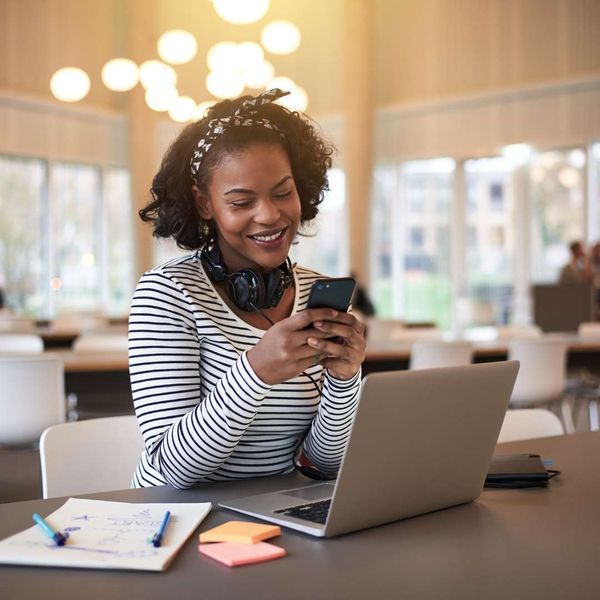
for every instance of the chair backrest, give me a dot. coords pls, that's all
(563, 307)
(96, 455)
(105, 342)
(31, 397)
(542, 372)
(430, 354)
(589, 330)
(529, 423)
(17, 343)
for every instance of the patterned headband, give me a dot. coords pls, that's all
(242, 117)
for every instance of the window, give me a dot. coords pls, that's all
(489, 245)
(557, 184)
(62, 248)
(323, 245)
(118, 241)
(417, 205)
(75, 279)
(23, 185)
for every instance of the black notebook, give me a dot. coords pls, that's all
(517, 471)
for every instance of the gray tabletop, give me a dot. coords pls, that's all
(538, 543)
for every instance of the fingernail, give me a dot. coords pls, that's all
(311, 341)
(318, 323)
(334, 313)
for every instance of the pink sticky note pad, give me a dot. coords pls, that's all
(235, 555)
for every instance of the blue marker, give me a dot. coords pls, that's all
(59, 538)
(157, 539)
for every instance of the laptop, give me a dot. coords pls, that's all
(421, 441)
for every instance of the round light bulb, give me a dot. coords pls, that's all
(223, 84)
(223, 56)
(120, 74)
(296, 100)
(257, 76)
(177, 46)
(282, 83)
(160, 98)
(154, 73)
(280, 37)
(241, 12)
(182, 109)
(70, 84)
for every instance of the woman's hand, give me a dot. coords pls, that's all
(284, 351)
(343, 356)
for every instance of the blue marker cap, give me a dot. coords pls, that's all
(59, 538)
(158, 536)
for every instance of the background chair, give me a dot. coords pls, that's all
(17, 343)
(429, 354)
(31, 397)
(563, 307)
(97, 455)
(542, 376)
(529, 423)
(101, 342)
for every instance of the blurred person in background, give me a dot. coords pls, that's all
(578, 269)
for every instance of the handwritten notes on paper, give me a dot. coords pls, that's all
(106, 535)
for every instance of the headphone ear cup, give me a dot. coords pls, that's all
(274, 288)
(211, 258)
(247, 290)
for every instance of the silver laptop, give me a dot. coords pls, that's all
(421, 441)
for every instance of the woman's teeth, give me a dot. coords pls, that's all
(268, 238)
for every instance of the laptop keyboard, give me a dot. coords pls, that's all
(316, 512)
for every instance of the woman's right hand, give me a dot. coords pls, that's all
(283, 351)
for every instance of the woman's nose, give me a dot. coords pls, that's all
(267, 211)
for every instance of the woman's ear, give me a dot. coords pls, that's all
(202, 204)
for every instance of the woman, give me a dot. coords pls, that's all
(230, 376)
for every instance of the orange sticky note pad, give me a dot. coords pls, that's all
(235, 555)
(240, 532)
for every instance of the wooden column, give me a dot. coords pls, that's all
(359, 95)
(142, 129)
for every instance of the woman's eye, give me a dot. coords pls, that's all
(241, 203)
(284, 194)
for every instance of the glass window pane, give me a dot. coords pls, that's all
(75, 198)
(557, 184)
(118, 241)
(489, 241)
(385, 183)
(324, 245)
(22, 192)
(422, 281)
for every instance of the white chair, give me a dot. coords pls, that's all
(529, 423)
(105, 342)
(21, 343)
(542, 376)
(429, 354)
(31, 397)
(589, 330)
(97, 455)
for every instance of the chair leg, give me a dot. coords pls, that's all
(593, 410)
(567, 415)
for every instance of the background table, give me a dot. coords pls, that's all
(537, 543)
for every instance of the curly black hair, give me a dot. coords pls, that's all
(173, 212)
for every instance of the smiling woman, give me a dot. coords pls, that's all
(231, 377)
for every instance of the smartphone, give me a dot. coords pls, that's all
(331, 293)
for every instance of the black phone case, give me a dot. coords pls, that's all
(331, 293)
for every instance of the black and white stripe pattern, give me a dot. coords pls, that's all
(203, 412)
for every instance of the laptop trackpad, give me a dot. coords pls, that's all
(313, 492)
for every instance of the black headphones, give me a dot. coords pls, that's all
(248, 290)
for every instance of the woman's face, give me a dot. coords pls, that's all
(255, 206)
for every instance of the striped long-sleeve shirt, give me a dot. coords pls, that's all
(204, 413)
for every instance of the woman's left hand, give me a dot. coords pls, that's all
(342, 358)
